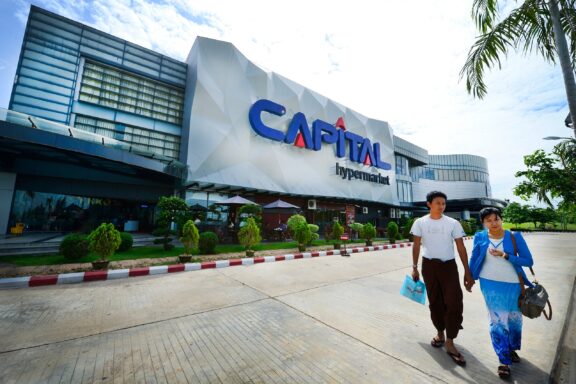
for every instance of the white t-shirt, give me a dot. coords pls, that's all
(438, 236)
(497, 268)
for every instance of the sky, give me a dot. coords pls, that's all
(397, 61)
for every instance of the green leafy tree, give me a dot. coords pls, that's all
(515, 213)
(254, 211)
(171, 209)
(392, 231)
(190, 237)
(535, 25)
(541, 215)
(207, 243)
(104, 240)
(249, 235)
(550, 176)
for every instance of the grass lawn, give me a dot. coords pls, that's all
(530, 226)
(150, 252)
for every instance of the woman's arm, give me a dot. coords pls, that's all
(524, 258)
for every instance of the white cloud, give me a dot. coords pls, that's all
(389, 60)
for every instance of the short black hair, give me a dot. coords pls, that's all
(490, 211)
(434, 194)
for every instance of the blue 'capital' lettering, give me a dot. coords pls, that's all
(255, 118)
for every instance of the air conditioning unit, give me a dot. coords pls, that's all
(365, 210)
(312, 204)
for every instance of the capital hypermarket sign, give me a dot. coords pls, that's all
(359, 149)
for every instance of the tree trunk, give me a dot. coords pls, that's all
(564, 56)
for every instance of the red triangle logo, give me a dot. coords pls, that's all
(340, 123)
(299, 141)
(367, 160)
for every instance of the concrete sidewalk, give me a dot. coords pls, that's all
(331, 319)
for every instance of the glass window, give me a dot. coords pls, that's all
(116, 89)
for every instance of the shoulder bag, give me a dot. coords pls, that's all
(532, 301)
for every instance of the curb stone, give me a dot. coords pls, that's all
(113, 274)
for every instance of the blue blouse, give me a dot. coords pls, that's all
(523, 259)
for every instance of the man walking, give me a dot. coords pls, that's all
(436, 233)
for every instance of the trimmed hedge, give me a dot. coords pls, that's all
(126, 242)
(75, 246)
(207, 243)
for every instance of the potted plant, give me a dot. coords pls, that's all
(300, 231)
(249, 236)
(357, 228)
(189, 239)
(392, 231)
(369, 232)
(302, 235)
(104, 241)
(337, 231)
(171, 210)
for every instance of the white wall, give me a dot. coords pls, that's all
(453, 189)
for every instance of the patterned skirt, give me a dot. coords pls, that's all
(505, 317)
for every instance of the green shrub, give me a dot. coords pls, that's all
(126, 242)
(337, 231)
(369, 231)
(358, 228)
(104, 240)
(302, 234)
(74, 246)
(294, 221)
(406, 230)
(392, 231)
(313, 233)
(207, 243)
(466, 227)
(249, 235)
(190, 237)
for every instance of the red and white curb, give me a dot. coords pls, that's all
(111, 274)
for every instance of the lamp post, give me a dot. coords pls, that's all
(556, 138)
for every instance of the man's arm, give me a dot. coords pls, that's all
(468, 280)
(415, 256)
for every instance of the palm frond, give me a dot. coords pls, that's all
(568, 20)
(486, 51)
(538, 30)
(484, 13)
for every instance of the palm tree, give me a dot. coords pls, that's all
(535, 25)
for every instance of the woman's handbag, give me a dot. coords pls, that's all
(532, 301)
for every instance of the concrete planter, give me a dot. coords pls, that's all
(184, 258)
(250, 253)
(100, 264)
(368, 243)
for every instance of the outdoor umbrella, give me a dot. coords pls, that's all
(280, 204)
(236, 200)
(198, 207)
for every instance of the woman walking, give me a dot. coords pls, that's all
(497, 260)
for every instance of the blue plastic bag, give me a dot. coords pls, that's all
(414, 290)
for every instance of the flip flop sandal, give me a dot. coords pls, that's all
(514, 357)
(504, 371)
(457, 357)
(437, 343)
